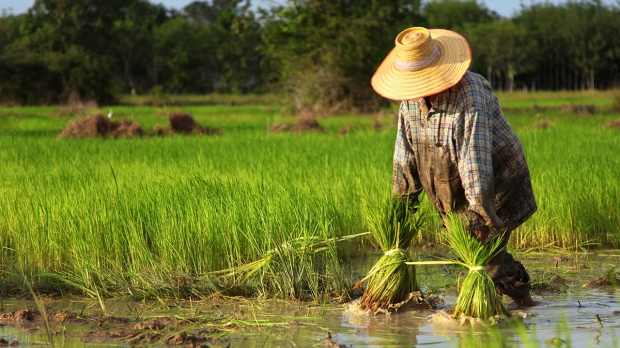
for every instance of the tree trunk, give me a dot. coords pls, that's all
(489, 75)
(557, 71)
(509, 81)
(563, 74)
(575, 81)
(133, 85)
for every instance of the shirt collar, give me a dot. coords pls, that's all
(441, 103)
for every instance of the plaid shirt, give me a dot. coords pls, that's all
(463, 153)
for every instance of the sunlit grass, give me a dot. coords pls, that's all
(528, 99)
(155, 216)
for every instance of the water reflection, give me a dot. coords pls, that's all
(570, 316)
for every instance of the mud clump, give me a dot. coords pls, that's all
(544, 124)
(559, 258)
(307, 125)
(557, 279)
(280, 127)
(11, 343)
(303, 125)
(27, 315)
(610, 278)
(414, 301)
(128, 129)
(578, 267)
(579, 109)
(156, 324)
(181, 122)
(104, 328)
(553, 284)
(377, 125)
(345, 130)
(98, 125)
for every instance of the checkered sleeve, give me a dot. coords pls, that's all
(476, 167)
(405, 179)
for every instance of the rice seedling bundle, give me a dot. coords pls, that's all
(477, 297)
(390, 281)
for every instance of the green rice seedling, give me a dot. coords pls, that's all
(478, 297)
(154, 216)
(313, 244)
(393, 224)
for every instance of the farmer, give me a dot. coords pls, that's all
(454, 143)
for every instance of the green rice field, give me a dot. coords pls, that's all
(186, 216)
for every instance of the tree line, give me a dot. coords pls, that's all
(321, 53)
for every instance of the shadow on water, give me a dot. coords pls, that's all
(572, 315)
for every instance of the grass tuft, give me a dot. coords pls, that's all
(478, 297)
(394, 225)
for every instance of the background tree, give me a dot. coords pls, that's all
(327, 50)
(320, 52)
(457, 15)
(134, 44)
(585, 38)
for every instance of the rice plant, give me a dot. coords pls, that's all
(156, 216)
(477, 297)
(393, 224)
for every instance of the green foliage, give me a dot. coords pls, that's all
(322, 53)
(161, 213)
(327, 50)
(477, 295)
(457, 15)
(393, 224)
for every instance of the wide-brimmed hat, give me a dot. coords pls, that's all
(424, 62)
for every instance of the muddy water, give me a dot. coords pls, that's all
(568, 291)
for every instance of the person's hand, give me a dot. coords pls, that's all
(482, 235)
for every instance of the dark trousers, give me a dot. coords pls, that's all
(508, 274)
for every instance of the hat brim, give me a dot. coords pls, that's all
(445, 72)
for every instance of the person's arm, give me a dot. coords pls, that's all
(405, 178)
(476, 171)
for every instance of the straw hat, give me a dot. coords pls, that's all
(424, 62)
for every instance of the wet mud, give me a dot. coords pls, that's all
(100, 328)
(580, 304)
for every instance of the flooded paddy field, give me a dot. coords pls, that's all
(158, 216)
(578, 305)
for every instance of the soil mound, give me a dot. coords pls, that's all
(345, 130)
(610, 278)
(614, 124)
(106, 329)
(182, 122)
(579, 109)
(128, 129)
(307, 125)
(544, 124)
(377, 125)
(280, 127)
(98, 125)
(303, 125)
